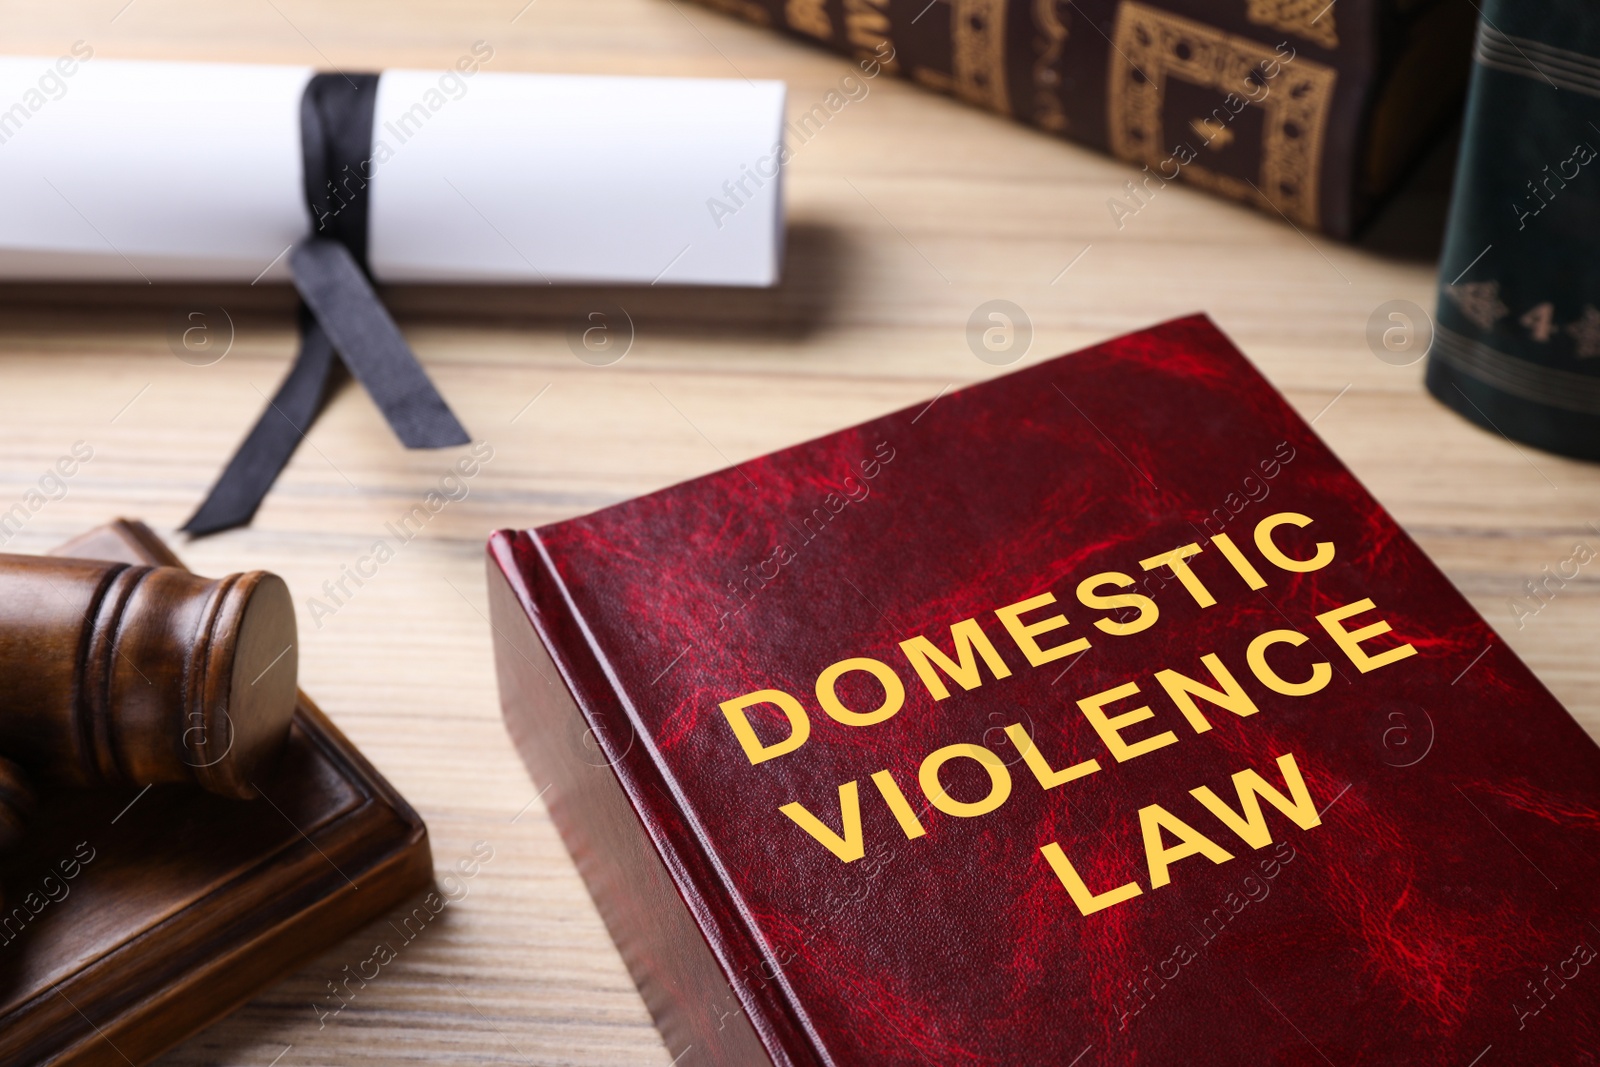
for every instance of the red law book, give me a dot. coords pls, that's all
(1091, 715)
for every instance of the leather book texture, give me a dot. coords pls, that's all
(1306, 110)
(1517, 343)
(1092, 714)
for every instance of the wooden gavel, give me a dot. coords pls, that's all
(119, 675)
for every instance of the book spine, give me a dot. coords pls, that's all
(1427, 62)
(1268, 105)
(706, 983)
(1516, 344)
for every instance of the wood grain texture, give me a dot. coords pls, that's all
(906, 211)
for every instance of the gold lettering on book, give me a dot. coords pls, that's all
(1216, 136)
(1201, 691)
(866, 27)
(1311, 19)
(978, 45)
(1294, 95)
(1051, 22)
(1585, 333)
(1130, 720)
(1479, 301)
(809, 16)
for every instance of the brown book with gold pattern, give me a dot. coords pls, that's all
(1308, 109)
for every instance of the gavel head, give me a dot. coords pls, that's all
(113, 674)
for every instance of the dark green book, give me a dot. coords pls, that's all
(1517, 344)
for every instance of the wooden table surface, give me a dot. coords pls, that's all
(906, 212)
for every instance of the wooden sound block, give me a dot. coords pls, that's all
(134, 919)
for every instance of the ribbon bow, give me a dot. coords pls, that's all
(341, 317)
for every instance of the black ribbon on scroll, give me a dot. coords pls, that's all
(341, 317)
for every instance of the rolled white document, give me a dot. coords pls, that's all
(118, 170)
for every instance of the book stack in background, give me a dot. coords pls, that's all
(1306, 108)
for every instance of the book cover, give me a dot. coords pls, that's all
(1093, 714)
(1304, 109)
(1516, 348)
